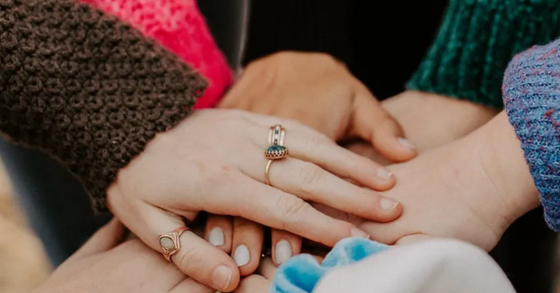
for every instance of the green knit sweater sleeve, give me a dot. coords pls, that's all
(475, 43)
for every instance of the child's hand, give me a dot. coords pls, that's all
(317, 90)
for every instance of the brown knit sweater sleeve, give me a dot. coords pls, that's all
(86, 88)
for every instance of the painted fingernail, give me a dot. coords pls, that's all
(406, 143)
(388, 204)
(384, 173)
(283, 251)
(216, 237)
(221, 277)
(241, 255)
(359, 233)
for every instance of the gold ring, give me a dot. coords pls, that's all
(276, 150)
(170, 242)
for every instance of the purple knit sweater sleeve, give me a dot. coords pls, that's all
(531, 92)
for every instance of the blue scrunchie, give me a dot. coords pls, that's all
(301, 273)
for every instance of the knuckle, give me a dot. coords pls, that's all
(310, 176)
(310, 141)
(189, 257)
(292, 208)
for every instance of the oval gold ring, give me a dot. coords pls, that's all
(170, 242)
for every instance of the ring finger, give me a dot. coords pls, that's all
(308, 145)
(247, 245)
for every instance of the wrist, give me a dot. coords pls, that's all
(431, 120)
(502, 160)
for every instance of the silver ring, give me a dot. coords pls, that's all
(276, 135)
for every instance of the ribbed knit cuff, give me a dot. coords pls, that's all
(86, 88)
(476, 41)
(532, 103)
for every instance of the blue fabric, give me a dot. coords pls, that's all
(531, 94)
(302, 273)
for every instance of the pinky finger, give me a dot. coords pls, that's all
(284, 246)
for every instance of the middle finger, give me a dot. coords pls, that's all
(312, 183)
(308, 145)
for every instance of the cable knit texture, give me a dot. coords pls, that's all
(532, 102)
(86, 88)
(476, 41)
(179, 26)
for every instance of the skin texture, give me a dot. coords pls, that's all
(167, 184)
(428, 120)
(318, 91)
(479, 184)
(481, 180)
(106, 264)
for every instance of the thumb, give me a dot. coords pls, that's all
(372, 123)
(104, 239)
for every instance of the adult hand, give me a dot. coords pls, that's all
(428, 120)
(316, 90)
(319, 91)
(104, 264)
(471, 189)
(214, 161)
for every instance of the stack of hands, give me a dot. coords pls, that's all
(416, 165)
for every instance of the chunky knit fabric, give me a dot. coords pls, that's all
(476, 41)
(179, 26)
(531, 91)
(86, 88)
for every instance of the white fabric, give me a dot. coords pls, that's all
(433, 266)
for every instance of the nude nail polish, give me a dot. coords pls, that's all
(221, 277)
(283, 251)
(359, 233)
(384, 173)
(216, 237)
(388, 204)
(241, 255)
(406, 143)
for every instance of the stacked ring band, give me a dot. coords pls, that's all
(276, 150)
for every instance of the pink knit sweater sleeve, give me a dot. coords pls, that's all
(179, 26)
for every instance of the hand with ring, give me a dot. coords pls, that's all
(215, 161)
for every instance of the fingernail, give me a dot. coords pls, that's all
(241, 255)
(384, 173)
(221, 277)
(216, 237)
(406, 143)
(283, 251)
(388, 204)
(359, 233)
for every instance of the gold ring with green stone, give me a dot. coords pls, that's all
(277, 150)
